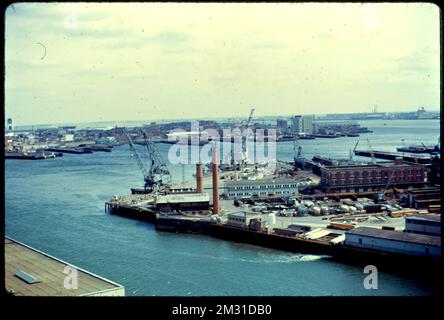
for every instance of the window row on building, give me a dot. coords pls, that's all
(259, 187)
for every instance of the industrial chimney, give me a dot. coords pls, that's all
(215, 180)
(199, 177)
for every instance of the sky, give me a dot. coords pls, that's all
(88, 62)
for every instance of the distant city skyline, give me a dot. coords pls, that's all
(107, 62)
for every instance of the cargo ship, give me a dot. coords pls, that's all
(24, 156)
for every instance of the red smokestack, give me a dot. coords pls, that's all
(215, 181)
(199, 177)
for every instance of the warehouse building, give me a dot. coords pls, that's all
(424, 224)
(372, 177)
(186, 202)
(243, 189)
(396, 242)
(422, 198)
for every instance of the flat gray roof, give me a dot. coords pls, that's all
(427, 217)
(183, 197)
(396, 235)
(244, 214)
(49, 275)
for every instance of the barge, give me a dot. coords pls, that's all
(392, 156)
(24, 156)
(69, 150)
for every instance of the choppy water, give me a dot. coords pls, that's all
(57, 206)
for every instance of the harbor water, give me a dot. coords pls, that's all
(57, 206)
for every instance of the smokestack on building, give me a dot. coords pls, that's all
(199, 177)
(215, 180)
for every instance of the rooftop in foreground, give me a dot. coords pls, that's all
(30, 272)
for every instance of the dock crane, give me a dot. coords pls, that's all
(388, 183)
(371, 151)
(380, 196)
(245, 126)
(157, 175)
(353, 152)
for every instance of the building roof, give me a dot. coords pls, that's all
(48, 272)
(427, 217)
(243, 214)
(233, 183)
(184, 197)
(378, 165)
(396, 236)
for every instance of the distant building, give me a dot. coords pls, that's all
(69, 137)
(9, 125)
(355, 116)
(307, 124)
(296, 124)
(282, 126)
(153, 129)
(371, 177)
(396, 242)
(302, 124)
(423, 224)
(260, 188)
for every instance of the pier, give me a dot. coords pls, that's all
(393, 155)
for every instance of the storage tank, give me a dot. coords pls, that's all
(315, 210)
(325, 210)
(302, 211)
(308, 203)
(271, 219)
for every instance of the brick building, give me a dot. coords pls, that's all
(372, 177)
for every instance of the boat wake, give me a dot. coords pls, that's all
(264, 258)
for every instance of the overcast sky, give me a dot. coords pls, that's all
(113, 62)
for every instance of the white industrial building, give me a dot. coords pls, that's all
(302, 124)
(424, 224)
(296, 124)
(262, 188)
(307, 124)
(241, 219)
(393, 242)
